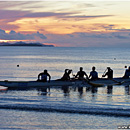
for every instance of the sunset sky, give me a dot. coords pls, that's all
(67, 23)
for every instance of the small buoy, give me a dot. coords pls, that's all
(17, 65)
(114, 58)
(125, 66)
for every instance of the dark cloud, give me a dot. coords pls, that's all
(82, 39)
(7, 16)
(122, 30)
(18, 36)
(113, 35)
(121, 37)
(45, 14)
(112, 27)
(14, 14)
(84, 16)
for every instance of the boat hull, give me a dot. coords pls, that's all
(114, 81)
(34, 84)
(77, 83)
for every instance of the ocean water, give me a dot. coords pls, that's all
(63, 107)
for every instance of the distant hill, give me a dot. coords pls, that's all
(24, 44)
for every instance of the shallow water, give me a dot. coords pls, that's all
(54, 120)
(63, 107)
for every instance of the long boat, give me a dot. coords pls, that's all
(77, 83)
(34, 84)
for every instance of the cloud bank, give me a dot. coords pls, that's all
(80, 39)
(113, 39)
(12, 35)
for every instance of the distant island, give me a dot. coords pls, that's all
(24, 44)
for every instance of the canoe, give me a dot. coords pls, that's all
(53, 83)
(114, 81)
(34, 84)
(77, 83)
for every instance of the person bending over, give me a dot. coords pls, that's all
(109, 73)
(66, 75)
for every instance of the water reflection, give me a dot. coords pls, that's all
(109, 89)
(83, 92)
(80, 90)
(65, 90)
(109, 93)
(43, 91)
(94, 90)
(127, 90)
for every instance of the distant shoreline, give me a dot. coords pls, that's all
(25, 44)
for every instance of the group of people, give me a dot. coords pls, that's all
(81, 75)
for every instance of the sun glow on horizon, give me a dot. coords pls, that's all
(51, 44)
(11, 41)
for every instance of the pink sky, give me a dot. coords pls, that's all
(67, 23)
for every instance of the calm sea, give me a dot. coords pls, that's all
(63, 108)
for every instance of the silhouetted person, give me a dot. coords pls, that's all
(127, 73)
(66, 75)
(43, 76)
(93, 74)
(109, 73)
(80, 74)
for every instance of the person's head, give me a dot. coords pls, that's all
(109, 69)
(45, 71)
(81, 68)
(66, 70)
(129, 68)
(69, 72)
(93, 68)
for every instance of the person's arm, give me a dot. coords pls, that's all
(49, 77)
(105, 74)
(39, 76)
(86, 75)
(90, 75)
(97, 75)
(76, 75)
